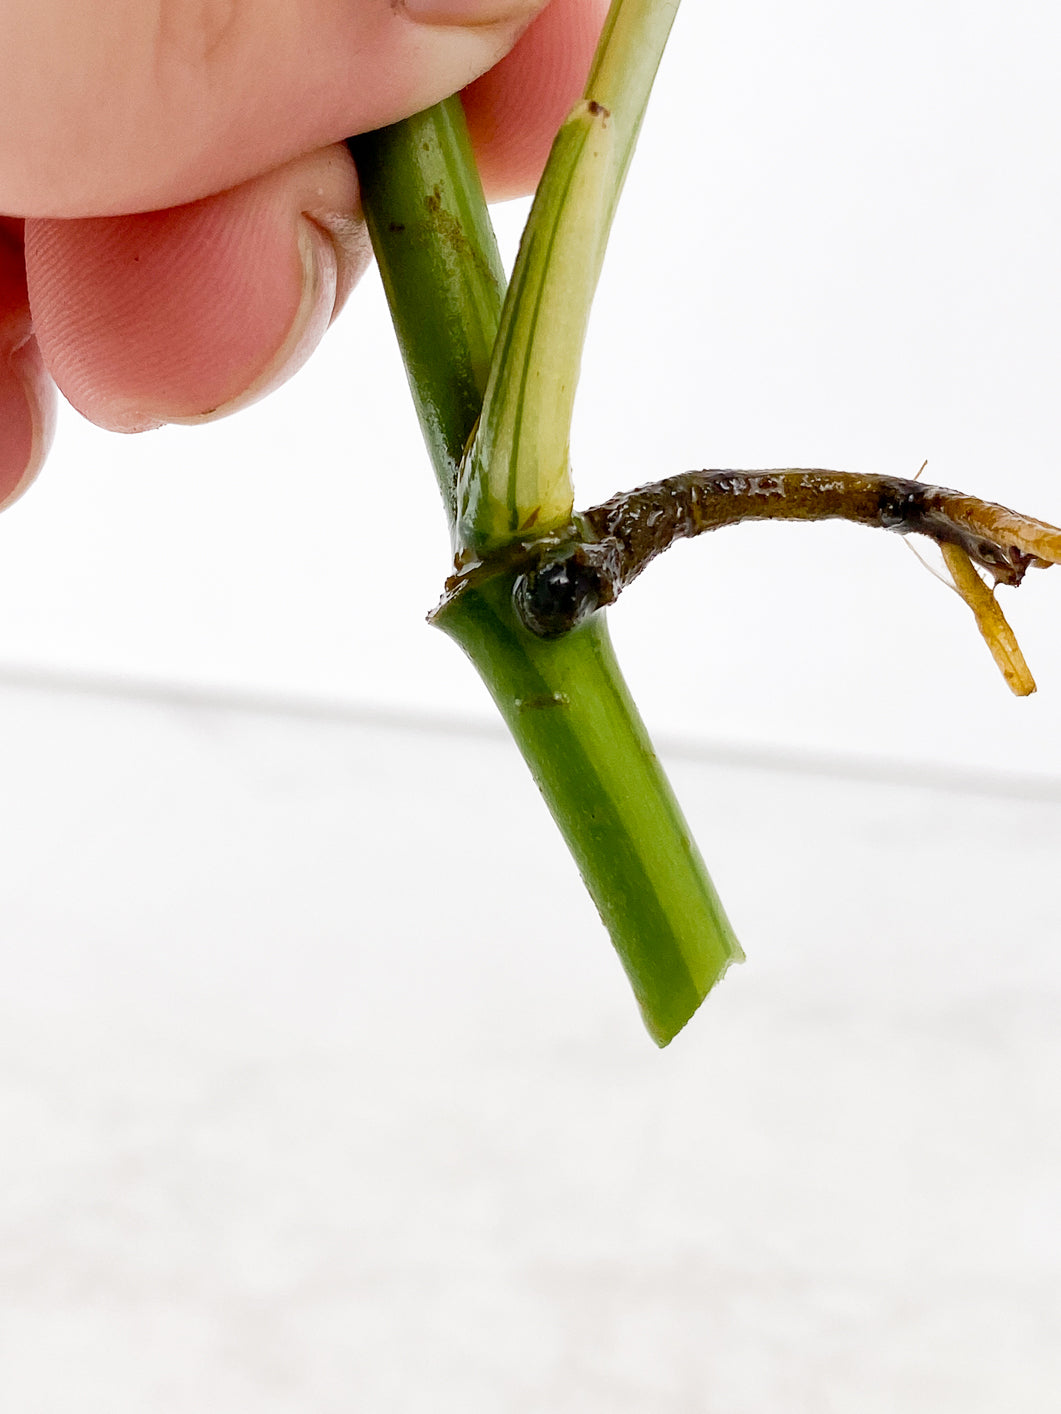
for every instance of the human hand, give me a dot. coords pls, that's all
(181, 220)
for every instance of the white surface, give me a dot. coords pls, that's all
(838, 247)
(298, 1117)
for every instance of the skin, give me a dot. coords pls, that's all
(180, 221)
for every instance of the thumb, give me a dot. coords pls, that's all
(164, 103)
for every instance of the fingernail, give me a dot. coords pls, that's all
(27, 420)
(469, 12)
(351, 245)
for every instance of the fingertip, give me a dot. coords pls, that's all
(27, 394)
(186, 314)
(326, 280)
(27, 420)
(515, 109)
(163, 104)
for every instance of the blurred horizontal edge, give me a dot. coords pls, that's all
(789, 760)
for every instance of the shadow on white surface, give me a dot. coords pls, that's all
(301, 1111)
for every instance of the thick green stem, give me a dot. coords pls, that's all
(572, 717)
(436, 251)
(565, 701)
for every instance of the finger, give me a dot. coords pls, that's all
(164, 103)
(515, 109)
(191, 312)
(27, 394)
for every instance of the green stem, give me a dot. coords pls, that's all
(437, 255)
(564, 700)
(573, 719)
(624, 70)
(516, 478)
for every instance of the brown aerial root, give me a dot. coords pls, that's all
(564, 580)
(644, 522)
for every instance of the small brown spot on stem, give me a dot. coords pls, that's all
(543, 700)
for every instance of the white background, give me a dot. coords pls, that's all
(300, 1111)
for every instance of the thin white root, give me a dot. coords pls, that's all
(935, 573)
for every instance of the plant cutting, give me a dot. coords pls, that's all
(493, 372)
